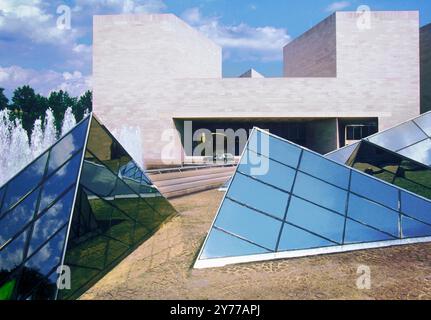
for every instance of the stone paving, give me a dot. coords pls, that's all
(161, 268)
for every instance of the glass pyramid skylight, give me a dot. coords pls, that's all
(85, 204)
(286, 201)
(411, 139)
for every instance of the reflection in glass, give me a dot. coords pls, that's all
(374, 190)
(274, 148)
(420, 152)
(221, 244)
(248, 224)
(324, 169)
(413, 228)
(40, 265)
(52, 220)
(258, 195)
(416, 207)
(316, 219)
(11, 256)
(294, 238)
(60, 181)
(15, 220)
(424, 121)
(356, 233)
(343, 154)
(372, 214)
(277, 174)
(25, 181)
(67, 146)
(320, 192)
(398, 137)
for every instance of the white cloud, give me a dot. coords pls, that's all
(119, 6)
(335, 6)
(241, 41)
(44, 81)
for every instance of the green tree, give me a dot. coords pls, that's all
(4, 102)
(25, 106)
(59, 101)
(85, 103)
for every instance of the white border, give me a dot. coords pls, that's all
(221, 262)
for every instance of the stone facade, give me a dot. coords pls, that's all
(152, 69)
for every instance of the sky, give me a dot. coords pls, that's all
(42, 47)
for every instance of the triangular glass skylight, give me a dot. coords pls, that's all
(84, 204)
(287, 201)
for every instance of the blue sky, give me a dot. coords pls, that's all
(33, 50)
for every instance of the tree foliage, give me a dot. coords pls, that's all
(28, 106)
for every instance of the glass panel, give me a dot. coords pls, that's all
(373, 215)
(416, 207)
(121, 227)
(424, 121)
(258, 195)
(220, 244)
(413, 187)
(372, 160)
(18, 218)
(320, 192)
(293, 238)
(67, 146)
(343, 154)
(358, 233)
(45, 290)
(6, 290)
(60, 181)
(25, 181)
(412, 228)
(12, 256)
(275, 148)
(315, 219)
(98, 178)
(421, 152)
(248, 224)
(52, 220)
(374, 190)
(277, 174)
(116, 249)
(415, 172)
(324, 169)
(147, 216)
(40, 265)
(399, 137)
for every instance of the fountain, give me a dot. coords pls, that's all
(20, 150)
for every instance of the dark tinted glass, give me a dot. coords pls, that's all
(416, 207)
(358, 233)
(320, 192)
(294, 238)
(315, 219)
(67, 146)
(16, 219)
(25, 181)
(220, 244)
(374, 215)
(399, 137)
(374, 190)
(258, 195)
(324, 169)
(248, 224)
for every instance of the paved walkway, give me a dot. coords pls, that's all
(160, 268)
